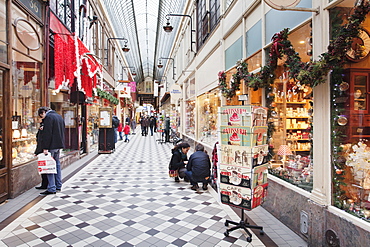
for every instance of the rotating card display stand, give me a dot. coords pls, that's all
(243, 166)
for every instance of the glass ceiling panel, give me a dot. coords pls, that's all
(141, 22)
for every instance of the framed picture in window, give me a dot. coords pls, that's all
(105, 117)
(16, 122)
(69, 115)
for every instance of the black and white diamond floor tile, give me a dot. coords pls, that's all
(126, 199)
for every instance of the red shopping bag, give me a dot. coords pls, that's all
(46, 164)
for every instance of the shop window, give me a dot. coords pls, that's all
(292, 120)
(2, 74)
(26, 100)
(254, 62)
(3, 33)
(208, 104)
(351, 141)
(190, 118)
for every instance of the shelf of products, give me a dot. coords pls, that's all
(208, 104)
(190, 118)
(292, 116)
(23, 149)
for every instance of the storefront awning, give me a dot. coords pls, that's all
(165, 97)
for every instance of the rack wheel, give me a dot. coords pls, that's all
(249, 239)
(262, 232)
(226, 234)
(226, 223)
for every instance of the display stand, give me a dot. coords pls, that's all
(244, 161)
(243, 224)
(161, 140)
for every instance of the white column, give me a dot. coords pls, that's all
(321, 192)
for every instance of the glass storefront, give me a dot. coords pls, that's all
(190, 118)
(292, 120)
(26, 85)
(26, 101)
(3, 33)
(1, 117)
(208, 104)
(351, 129)
(92, 126)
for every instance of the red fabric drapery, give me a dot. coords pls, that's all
(73, 60)
(64, 61)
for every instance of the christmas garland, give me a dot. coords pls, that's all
(312, 74)
(108, 96)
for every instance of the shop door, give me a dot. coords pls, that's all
(4, 184)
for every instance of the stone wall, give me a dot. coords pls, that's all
(24, 177)
(286, 205)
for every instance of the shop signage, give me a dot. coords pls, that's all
(175, 93)
(34, 6)
(124, 92)
(132, 85)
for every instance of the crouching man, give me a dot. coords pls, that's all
(198, 168)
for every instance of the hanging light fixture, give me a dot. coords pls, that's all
(160, 65)
(168, 28)
(125, 48)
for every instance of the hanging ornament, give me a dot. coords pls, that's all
(342, 120)
(338, 171)
(273, 113)
(343, 86)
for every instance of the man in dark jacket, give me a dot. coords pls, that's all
(198, 168)
(152, 124)
(52, 140)
(167, 126)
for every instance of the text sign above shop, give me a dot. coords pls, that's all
(34, 6)
(175, 92)
(125, 92)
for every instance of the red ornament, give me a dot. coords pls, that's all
(339, 171)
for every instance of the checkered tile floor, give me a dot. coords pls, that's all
(127, 199)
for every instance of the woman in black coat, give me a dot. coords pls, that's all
(179, 157)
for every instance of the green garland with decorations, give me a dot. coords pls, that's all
(107, 96)
(312, 74)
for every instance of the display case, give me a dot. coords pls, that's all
(23, 148)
